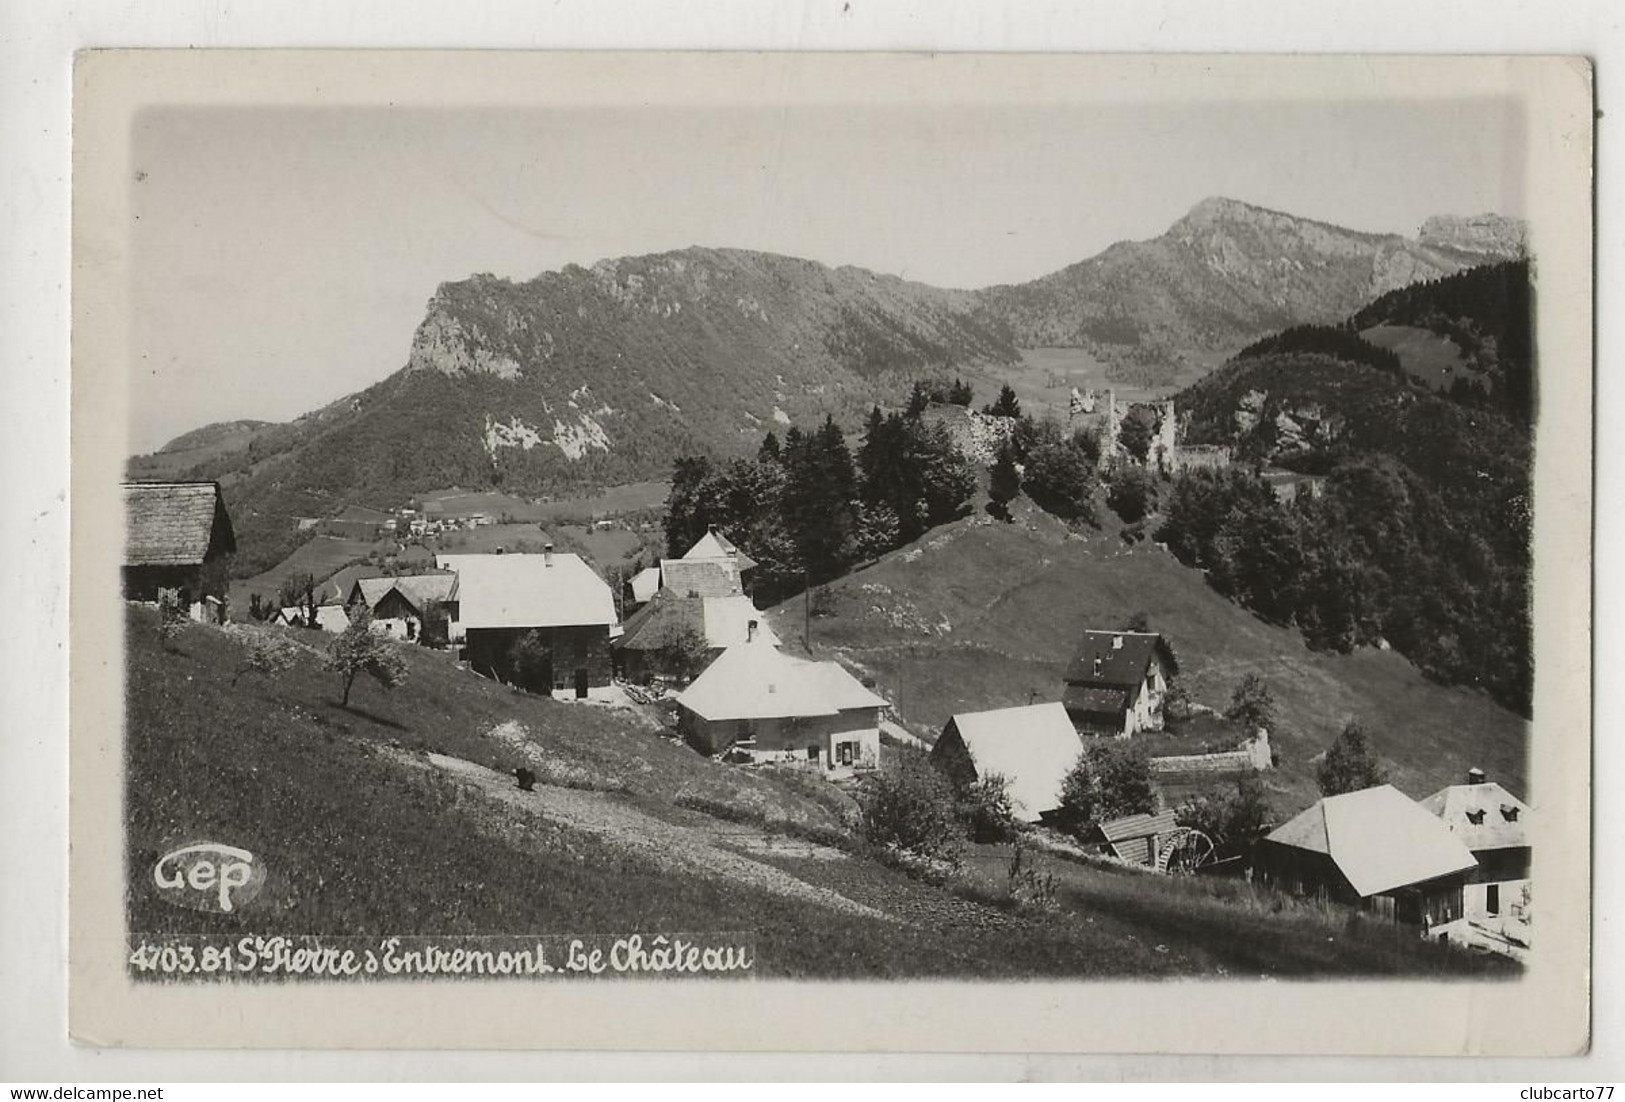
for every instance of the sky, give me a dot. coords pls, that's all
(283, 257)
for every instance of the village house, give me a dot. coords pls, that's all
(1494, 825)
(1135, 839)
(1032, 747)
(1375, 849)
(329, 618)
(704, 593)
(1117, 682)
(770, 706)
(503, 598)
(414, 607)
(716, 623)
(643, 585)
(177, 537)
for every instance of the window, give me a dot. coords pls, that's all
(1476, 817)
(1509, 813)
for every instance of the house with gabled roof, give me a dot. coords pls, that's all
(409, 606)
(701, 577)
(702, 593)
(716, 623)
(554, 599)
(1494, 826)
(715, 545)
(1116, 682)
(768, 705)
(178, 536)
(643, 585)
(1376, 849)
(1032, 747)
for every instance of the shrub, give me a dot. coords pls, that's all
(1132, 493)
(266, 653)
(985, 810)
(1232, 817)
(532, 662)
(1252, 704)
(910, 807)
(1061, 480)
(1110, 780)
(1350, 763)
(358, 650)
(172, 617)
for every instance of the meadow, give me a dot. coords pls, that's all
(364, 830)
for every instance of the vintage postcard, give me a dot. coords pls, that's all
(831, 552)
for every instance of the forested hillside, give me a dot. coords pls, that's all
(1488, 314)
(1420, 538)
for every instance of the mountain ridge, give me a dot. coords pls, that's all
(592, 376)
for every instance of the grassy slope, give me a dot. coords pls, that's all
(1014, 599)
(1428, 357)
(320, 557)
(356, 843)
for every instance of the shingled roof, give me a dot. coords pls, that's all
(1123, 658)
(715, 545)
(721, 621)
(717, 577)
(175, 523)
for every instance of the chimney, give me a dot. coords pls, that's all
(1117, 642)
(547, 554)
(1475, 775)
(750, 631)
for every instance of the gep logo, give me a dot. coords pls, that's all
(208, 877)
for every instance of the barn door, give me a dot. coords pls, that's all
(581, 683)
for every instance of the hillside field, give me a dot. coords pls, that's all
(399, 815)
(979, 615)
(321, 557)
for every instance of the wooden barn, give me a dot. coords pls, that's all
(177, 536)
(1033, 748)
(1116, 683)
(1136, 839)
(1376, 849)
(503, 598)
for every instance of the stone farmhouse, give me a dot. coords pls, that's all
(503, 598)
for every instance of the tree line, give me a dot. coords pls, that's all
(807, 509)
(1379, 556)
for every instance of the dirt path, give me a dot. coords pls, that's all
(709, 852)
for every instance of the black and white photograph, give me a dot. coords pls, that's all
(768, 532)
